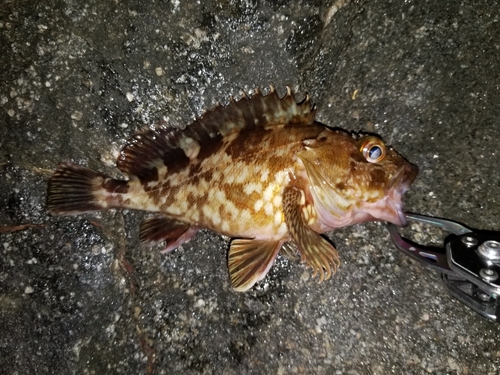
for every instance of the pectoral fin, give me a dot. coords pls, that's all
(250, 260)
(161, 228)
(315, 251)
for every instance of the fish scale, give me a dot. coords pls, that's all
(259, 170)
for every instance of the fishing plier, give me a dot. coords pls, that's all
(469, 262)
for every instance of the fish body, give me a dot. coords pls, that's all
(260, 170)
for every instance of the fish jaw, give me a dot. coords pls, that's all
(388, 206)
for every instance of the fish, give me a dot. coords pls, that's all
(260, 170)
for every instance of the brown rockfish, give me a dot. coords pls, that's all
(260, 170)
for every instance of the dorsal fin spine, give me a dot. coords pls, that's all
(150, 148)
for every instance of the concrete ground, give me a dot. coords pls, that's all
(79, 295)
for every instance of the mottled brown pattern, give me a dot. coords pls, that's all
(155, 196)
(206, 150)
(193, 200)
(165, 186)
(167, 192)
(378, 178)
(115, 186)
(151, 177)
(194, 179)
(247, 143)
(176, 161)
(222, 213)
(207, 175)
(114, 201)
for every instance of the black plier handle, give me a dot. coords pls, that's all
(469, 262)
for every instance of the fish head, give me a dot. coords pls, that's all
(355, 178)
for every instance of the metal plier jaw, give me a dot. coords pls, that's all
(469, 263)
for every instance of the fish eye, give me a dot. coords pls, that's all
(373, 150)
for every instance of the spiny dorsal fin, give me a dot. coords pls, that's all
(152, 149)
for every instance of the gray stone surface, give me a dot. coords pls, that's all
(80, 295)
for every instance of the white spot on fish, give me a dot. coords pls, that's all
(245, 216)
(220, 196)
(231, 209)
(216, 219)
(190, 147)
(151, 184)
(282, 229)
(258, 205)
(278, 218)
(302, 198)
(264, 175)
(228, 128)
(243, 176)
(174, 210)
(216, 176)
(371, 195)
(162, 173)
(268, 208)
(211, 214)
(251, 187)
(195, 216)
(268, 193)
(277, 200)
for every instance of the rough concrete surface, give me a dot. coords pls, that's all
(79, 295)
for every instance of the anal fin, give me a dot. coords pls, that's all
(250, 260)
(315, 251)
(161, 228)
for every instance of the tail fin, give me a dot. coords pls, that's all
(74, 189)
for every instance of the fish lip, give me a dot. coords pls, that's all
(399, 217)
(399, 185)
(402, 181)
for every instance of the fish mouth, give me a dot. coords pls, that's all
(399, 185)
(336, 210)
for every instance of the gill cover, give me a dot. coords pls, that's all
(326, 161)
